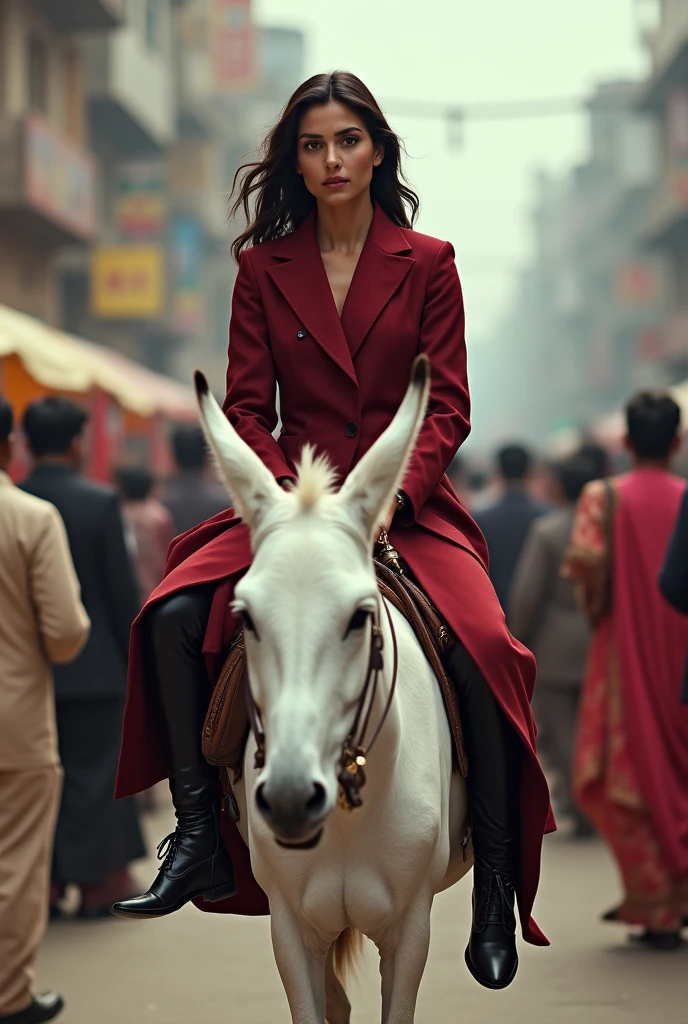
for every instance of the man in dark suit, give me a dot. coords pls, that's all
(505, 524)
(545, 616)
(190, 496)
(96, 838)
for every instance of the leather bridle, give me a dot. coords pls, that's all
(350, 766)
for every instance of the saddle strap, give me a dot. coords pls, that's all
(435, 638)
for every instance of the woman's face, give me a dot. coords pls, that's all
(335, 154)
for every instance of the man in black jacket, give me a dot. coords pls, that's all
(190, 496)
(96, 838)
(505, 524)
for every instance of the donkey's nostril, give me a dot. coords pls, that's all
(261, 802)
(316, 804)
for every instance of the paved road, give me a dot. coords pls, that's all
(197, 969)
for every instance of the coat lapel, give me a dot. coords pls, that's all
(299, 273)
(382, 269)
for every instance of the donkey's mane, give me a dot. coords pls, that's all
(315, 478)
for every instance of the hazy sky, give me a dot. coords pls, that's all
(456, 51)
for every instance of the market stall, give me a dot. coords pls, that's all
(130, 406)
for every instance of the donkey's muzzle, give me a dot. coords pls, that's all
(293, 809)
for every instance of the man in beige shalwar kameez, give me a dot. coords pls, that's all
(42, 621)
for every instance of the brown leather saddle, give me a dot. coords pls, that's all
(227, 722)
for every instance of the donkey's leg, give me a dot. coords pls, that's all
(402, 964)
(337, 1005)
(301, 968)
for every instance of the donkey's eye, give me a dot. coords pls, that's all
(248, 623)
(358, 621)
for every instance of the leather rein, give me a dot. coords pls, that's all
(350, 766)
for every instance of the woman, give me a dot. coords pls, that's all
(631, 754)
(333, 301)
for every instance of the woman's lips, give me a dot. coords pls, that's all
(335, 183)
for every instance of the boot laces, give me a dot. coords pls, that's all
(499, 897)
(167, 848)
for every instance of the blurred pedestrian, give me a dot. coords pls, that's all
(96, 838)
(458, 478)
(598, 455)
(631, 757)
(673, 579)
(545, 615)
(505, 524)
(150, 526)
(191, 496)
(42, 621)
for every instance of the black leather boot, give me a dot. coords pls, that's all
(494, 764)
(196, 862)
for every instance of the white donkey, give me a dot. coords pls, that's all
(311, 611)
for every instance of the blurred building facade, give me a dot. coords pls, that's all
(122, 123)
(587, 322)
(48, 174)
(665, 98)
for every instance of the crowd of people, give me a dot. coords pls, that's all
(77, 562)
(591, 569)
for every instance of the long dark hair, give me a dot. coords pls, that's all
(282, 201)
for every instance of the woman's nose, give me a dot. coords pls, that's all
(332, 158)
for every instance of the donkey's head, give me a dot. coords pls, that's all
(309, 601)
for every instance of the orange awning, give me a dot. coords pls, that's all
(64, 363)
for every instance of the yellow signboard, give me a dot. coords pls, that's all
(128, 282)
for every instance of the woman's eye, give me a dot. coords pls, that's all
(311, 146)
(350, 140)
(357, 622)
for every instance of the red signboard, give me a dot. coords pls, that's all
(234, 45)
(59, 179)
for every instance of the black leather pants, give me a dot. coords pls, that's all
(494, 763)
(494, 768)
(196, 863)
(173, 635)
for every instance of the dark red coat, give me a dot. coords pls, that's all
(340, 384)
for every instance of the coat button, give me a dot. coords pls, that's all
(351, 429)
(303, 333)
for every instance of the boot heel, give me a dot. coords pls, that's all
(221, 892)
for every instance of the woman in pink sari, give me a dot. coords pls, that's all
(631, 758)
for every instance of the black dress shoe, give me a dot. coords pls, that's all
(43, 1007)
(663, 942)
(196, 864)
(491, 955)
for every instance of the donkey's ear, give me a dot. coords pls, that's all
(370, 487)
(250, 483)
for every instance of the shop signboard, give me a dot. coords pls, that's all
(140, 200)
(187, 256)
(234, 49)
(59, 179)
(677, 140)
(637, 283)
(127, 282)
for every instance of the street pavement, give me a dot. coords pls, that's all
(195, 968)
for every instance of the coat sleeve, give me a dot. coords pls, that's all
(532, 578)
(447, 423)
(673, 579)
(250, 403)
(118, 579)
(63, 624)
